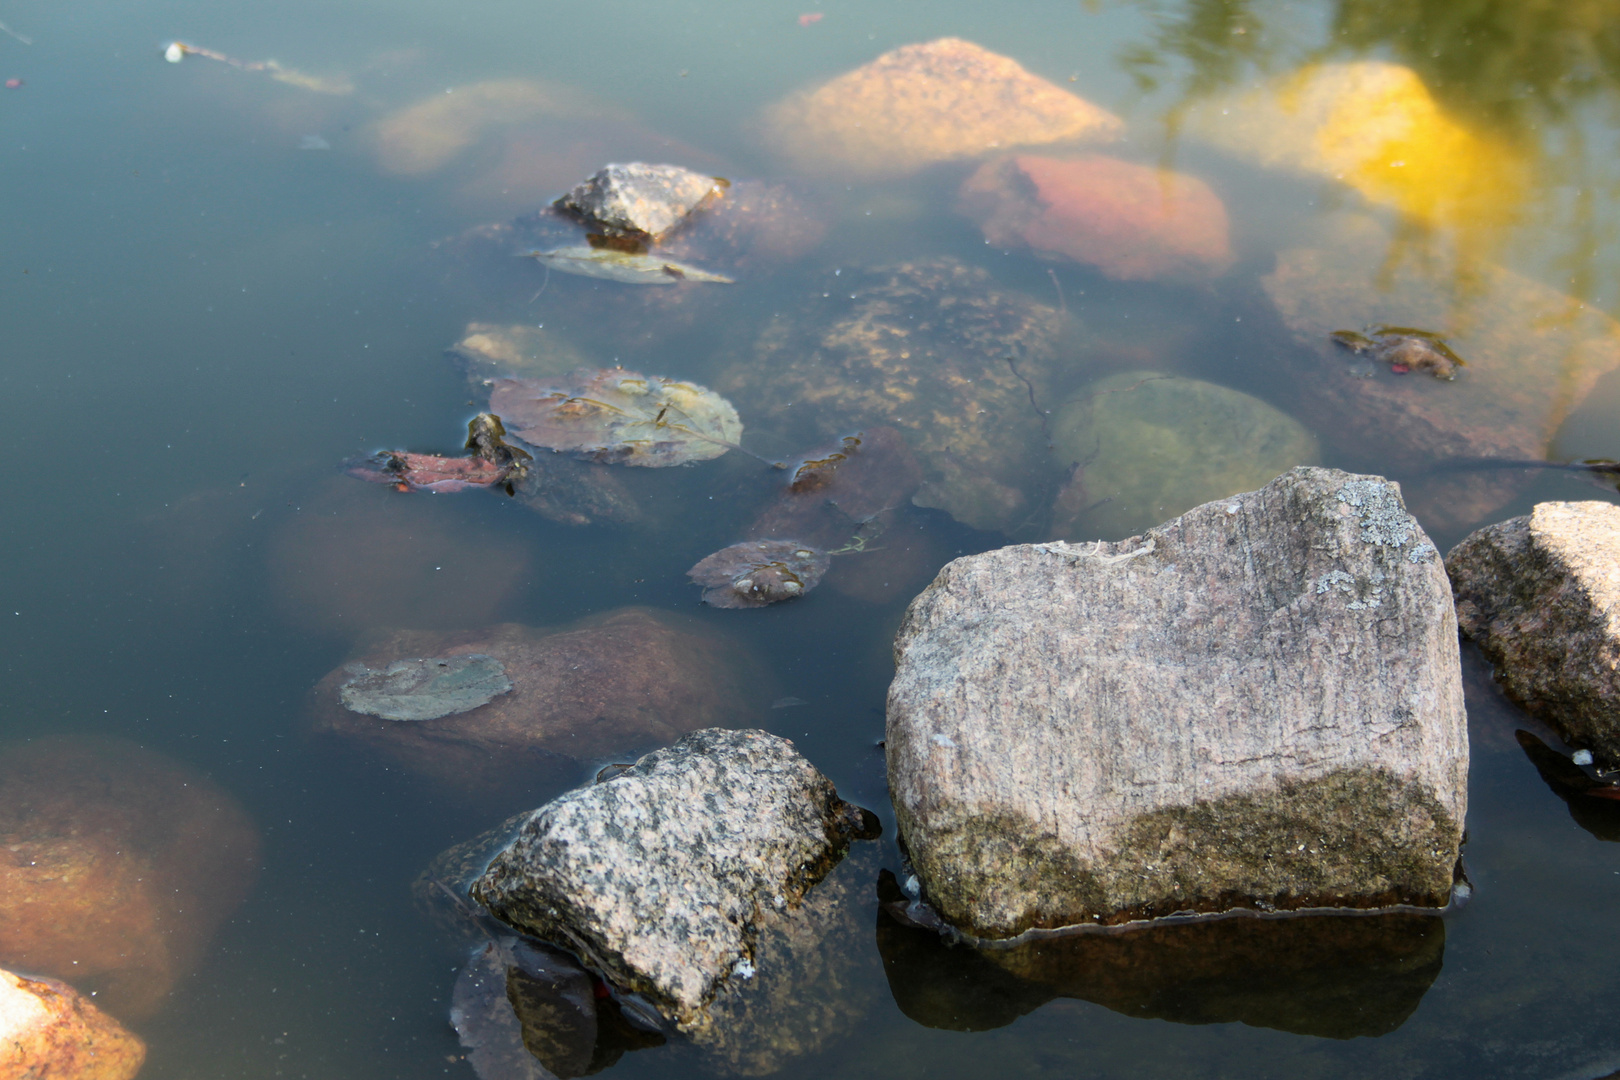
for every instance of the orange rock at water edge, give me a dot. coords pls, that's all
(922, 104)
(49, 1031)
(116, 867)
(352, 558)
(1130, 221)
(614, 683)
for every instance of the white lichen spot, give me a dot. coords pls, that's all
(1092, 552)
(743, 969)
(1422, 553)
(1383, 520)
(946, 741)
(1363, 594)
(1232, 508)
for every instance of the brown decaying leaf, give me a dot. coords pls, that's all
(836, 489)
(755, 573)
(619, 417)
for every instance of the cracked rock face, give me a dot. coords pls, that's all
(1257, 704)
(1541, 596)
(673, 878)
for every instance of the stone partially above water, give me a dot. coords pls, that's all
(49, 1031)
(1257, 704)
(922, 104)
(1541, 596)
(664, 877)
(640, 201)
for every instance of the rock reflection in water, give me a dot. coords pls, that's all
(1591, 802)
(1333, 976)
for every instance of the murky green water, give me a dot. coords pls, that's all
(200, 320)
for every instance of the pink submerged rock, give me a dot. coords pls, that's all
(1130, 221)
(49, 1031)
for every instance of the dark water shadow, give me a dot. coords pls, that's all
(1598, 814)
(1332, 976)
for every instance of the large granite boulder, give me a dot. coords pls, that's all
(1257, 704)
(1541, 596)
(695, 880)
(922, 104)
(610, 684)
(116, 867)
(49, 1031)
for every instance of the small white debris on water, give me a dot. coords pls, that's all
(743, 969)
(1461, 892)
(946, 741)
(912, 887)
(1582, 757)
(174, 53)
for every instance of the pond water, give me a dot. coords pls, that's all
(219, 284)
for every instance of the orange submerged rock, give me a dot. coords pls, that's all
(1130, 221)
(48, 1031)
(116, 867)
(921, 104)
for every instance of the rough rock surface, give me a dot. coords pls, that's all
(1257, 704)
(48, 1031)
(1532, 353)
(929, 347)
(1143, 446)
(610, 684)
(1132, 222)
(921, 104)
(116, 867)
(1541, 595)
(640, 201)
(667, 877)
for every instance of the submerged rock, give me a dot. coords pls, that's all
(921, 104)
(933, 349)
(640, 201)
(49, 1031)
(1132, 222)
(1257, 704)
(609, 684)
(689, 878)
(1375, 127)
(1144, 446)
(116, 867)
(1541, 596)
(1533, 354)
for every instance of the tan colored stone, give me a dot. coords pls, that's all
(921, 104)
(1541, 596)
(1532, 355)
(48, 1031)
(607, 685)
(116, 867)
(1132, 222)
(1257, 704)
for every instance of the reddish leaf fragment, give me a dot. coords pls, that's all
(755, 573)
(1611, 792)
(426, 472)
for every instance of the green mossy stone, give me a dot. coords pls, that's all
(1151, 446)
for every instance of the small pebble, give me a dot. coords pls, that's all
(1582, 757)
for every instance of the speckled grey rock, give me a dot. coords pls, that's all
(1541, 596)
(662, 877)
(638, 200)
(1257, 704)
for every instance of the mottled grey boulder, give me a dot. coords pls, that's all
(639, 201)
(667, 877)
(1257, 704)
(1541, 596)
